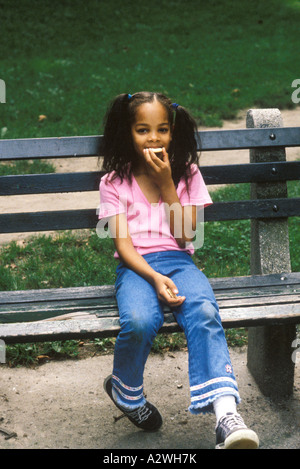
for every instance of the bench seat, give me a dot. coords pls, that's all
(87, 312)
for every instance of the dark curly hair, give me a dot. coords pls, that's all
(118, 150)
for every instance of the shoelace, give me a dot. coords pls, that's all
(140, 414)
(232, 421)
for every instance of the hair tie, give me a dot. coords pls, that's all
(175, 106)
(129, 96)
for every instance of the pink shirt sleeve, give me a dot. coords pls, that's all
(198, 193)
(111, 200)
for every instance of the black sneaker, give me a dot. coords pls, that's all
(145, 417)
(232, 433)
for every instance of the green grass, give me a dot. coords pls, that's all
(26, 167)
(68, 259)
(226, 248)
(66, 60)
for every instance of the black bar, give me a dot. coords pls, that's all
(208, 140)
(87, 218)
(89, 181)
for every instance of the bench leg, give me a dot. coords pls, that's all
(270, 359)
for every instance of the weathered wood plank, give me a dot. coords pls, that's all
(219, 285)
(249, 281)
(55, 294)
(105, 327)
(248, 295)
(39, 311)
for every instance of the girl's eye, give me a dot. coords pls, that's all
(164, 130)
(141, 131)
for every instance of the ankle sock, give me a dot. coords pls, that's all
(224, 404)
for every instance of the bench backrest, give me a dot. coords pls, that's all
(43, 148)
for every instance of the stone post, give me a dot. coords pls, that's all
(270, 347)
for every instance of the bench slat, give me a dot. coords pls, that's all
(252, 172)
(53, 183)
(106, 327)
(87, 218)
(258, 295)
(45, 311)
(54, 147)
(221, 285)
(58, 147)
(249, 138)
(261, 296)
(89, 181)
(252, 291)
(252, 209)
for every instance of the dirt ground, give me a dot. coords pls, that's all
(62, 405)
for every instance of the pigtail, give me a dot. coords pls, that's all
(117, 143)
(184, 145)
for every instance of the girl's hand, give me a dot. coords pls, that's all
(167, 291)
(158, 169)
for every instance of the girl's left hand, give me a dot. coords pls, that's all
(167, 291)
(158, 169)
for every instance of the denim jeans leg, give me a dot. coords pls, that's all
(141, 317)
(210, 369)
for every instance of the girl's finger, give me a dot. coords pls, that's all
(170, 285)
(149, 158)
(155, 159)
(173, 298)
(177, 301)
(165, 157)
(172, 293)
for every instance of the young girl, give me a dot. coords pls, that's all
(150, 201)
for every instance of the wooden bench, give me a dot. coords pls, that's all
(267, 301)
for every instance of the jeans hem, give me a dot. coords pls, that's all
(126, 406)
(207, 406)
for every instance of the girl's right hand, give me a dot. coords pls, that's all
(167, 291)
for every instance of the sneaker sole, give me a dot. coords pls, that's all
(241, 439)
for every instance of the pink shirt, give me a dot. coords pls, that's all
(148, 223)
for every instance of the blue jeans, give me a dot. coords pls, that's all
(141, 317)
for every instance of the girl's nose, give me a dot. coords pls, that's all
(153, 136)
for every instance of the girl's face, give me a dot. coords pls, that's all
(151, 128)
